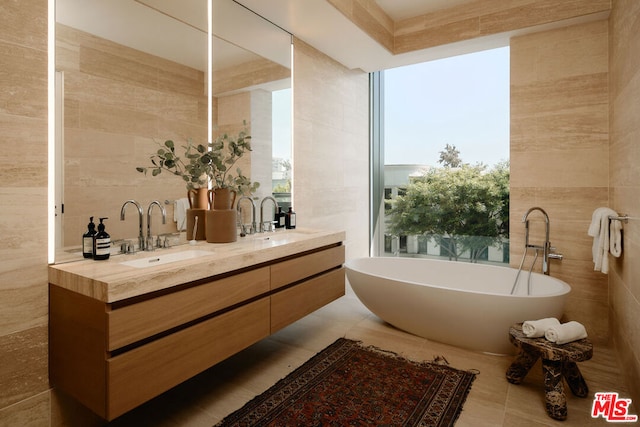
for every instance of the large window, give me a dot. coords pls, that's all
(440, 148)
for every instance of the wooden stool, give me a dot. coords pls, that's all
(558, 362)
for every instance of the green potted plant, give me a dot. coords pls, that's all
(193, 167)
(203, 163)
(224, 152)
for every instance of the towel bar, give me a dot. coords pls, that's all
(623, 218)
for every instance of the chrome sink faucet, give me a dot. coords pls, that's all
(254, 227)
(140, 213)
(267, 225)
(149, 245)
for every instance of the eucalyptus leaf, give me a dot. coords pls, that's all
(202, 163)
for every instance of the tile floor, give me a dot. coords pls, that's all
(207, 398)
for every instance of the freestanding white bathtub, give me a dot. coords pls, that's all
(458, 303)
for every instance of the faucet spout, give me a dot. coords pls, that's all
(149, 246)
(140, 214)
(275, 210)
(253, 213)
(546, 246)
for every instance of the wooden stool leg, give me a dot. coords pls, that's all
(521, 366)
(555, 400)
(574, 378)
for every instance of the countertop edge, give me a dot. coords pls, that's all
(110, 281)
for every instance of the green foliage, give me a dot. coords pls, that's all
(283, 188)
(450, 157)
(224, 153)
(463, 208)
(192, 168)
(201, 163)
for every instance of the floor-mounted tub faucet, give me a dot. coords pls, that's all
(149, 245)
(547, 250)
(267, 225)
(140, 213)
(254, 227)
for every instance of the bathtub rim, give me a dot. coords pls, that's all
(565, 288)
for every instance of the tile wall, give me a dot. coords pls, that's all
(331, 147)
(559, 155)
(624, 176)
(24, 382)
(119, 103)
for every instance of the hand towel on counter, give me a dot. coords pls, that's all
(537, 328)
(565, 333)
(180, 213)
(606, 235)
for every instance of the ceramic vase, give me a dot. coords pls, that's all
(199, 198)
(223, 198)
(221, 222)
(221, 226)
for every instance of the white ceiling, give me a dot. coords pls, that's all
(177, 30)
(322, 26)
(153, 24)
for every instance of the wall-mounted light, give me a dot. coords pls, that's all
(209, 70)
(51, 131)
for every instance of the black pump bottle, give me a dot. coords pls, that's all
(102, 243)
(87, 239)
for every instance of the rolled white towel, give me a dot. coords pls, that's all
(615, 238)
(537, 328)
(567, 332)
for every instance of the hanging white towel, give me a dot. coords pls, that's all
(615, 238)
(567, 332)
(602, 229)
(180, 213)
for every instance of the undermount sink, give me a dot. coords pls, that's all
(155, 260)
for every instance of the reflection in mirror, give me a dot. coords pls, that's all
(133, 73)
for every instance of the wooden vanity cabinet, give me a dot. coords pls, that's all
(112, 357)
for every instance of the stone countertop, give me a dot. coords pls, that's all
(111, 280)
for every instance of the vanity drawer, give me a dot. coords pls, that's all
(140, 374)
(132, 323)
(296, 269)
(295, 302)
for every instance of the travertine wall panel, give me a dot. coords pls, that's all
(559, 155)
(461, 22)
(24, 396)
(331, 145)
(118, 103)
(370, 17)
(624, 162)
(250, 74)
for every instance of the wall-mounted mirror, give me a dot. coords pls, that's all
(132, 74)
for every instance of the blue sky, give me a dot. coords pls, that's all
(462, 101)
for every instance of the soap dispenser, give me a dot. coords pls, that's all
(87, 239)
(290, 219)
(102, 243)
(279, 219)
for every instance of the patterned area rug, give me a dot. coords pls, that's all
(347, 384)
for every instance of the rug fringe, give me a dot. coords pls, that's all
(438, 359)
